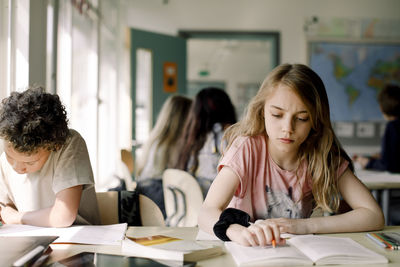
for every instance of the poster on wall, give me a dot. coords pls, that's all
(170, 77)
(353, 74)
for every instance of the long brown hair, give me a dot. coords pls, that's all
(321, 149)
(211, 105)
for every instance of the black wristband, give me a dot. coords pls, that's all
(228, 217)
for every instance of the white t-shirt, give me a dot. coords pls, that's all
(65, 168)
(153, 167)
(209, 155)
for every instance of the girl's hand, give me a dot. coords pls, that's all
(292, 226)
(261, 233)
(10, 215)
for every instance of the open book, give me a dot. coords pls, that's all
(306, 250)
(169, 248)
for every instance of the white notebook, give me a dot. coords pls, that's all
(81, 234)
(306, 250)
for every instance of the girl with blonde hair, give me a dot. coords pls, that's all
(161, 149)
(282, 161)
(162, 145)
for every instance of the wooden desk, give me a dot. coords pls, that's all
(380, 184)
(63, 251)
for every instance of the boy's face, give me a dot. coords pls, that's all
(25, 163)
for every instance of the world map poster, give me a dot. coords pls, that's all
(353, 74)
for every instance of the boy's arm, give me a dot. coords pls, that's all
(61, 214)
(388, 160)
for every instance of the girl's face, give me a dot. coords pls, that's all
(287, 121)
(24, 163)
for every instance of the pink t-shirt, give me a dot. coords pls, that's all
(265, 190)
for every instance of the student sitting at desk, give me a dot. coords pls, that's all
(45, 174)
(389, 160)
(210, 114)
(283, 158)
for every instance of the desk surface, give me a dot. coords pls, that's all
(61, 251)
(379, 180)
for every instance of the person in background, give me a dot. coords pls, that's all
(161, 148)
(211, 113)
(283, 159)
(45, 174)
(389, 159)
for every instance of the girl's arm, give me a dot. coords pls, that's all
(366, 215)
(61, 214)
(218, 198)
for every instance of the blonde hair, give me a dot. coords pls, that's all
(321, 149)
(166, 131)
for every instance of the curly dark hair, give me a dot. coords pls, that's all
(33, 119)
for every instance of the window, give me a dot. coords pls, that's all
(84, 65)
(14, 45)
(143, 98)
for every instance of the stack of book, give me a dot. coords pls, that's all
(388, 240)
(163, 247)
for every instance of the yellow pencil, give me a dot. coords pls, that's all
(273, 243)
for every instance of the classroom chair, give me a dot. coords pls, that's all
(182, 198)
(126, 168)
(130, 207)
(127, 158)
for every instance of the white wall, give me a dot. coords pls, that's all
(285, 16)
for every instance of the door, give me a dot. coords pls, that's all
(158, 70)
(235, 61)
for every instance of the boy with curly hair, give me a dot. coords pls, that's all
(45, 174)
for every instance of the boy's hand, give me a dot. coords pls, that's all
(1, 206)
(10, 215)
(363, 161)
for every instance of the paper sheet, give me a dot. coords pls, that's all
(83, 234)
(201, 235)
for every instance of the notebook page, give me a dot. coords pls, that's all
(335, 250)
(264, 256)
